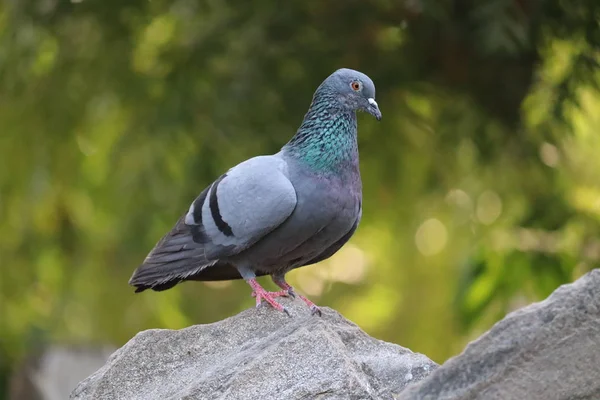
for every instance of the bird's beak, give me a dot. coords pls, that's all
(373, 109)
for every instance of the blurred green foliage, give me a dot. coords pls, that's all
(481, 184)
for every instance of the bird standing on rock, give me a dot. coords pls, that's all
(271, 214)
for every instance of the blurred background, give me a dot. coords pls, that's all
(481, 183)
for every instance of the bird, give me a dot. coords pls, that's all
(274, 213)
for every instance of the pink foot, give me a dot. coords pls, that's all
(261, 294)
(281, 293)
(314, 309)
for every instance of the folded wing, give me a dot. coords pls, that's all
(229, 216)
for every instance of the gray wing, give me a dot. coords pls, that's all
(229, 216)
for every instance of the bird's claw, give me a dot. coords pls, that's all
(314, 310)
(280, 308)
(269, 298)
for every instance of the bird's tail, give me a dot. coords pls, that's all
(165, 272)
(175, 257)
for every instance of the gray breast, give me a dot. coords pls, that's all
(326, 210)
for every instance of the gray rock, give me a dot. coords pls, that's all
(548, 351)
(258, 354)
(51, 373)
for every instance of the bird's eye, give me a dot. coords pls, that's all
(356, 86)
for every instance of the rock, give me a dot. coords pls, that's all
(52, 372)
(548, 350)
(258, 354)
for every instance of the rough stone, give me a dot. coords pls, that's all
(258, 354)
(547, 351)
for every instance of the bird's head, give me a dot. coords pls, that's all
(354, 90)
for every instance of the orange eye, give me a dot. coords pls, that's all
(355, 86)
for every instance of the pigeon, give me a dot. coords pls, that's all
(274, 213)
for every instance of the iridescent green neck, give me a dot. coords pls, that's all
(326, 140)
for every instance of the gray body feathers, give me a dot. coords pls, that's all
(271, 214)
(279, 217)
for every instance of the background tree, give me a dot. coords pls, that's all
(481, 190)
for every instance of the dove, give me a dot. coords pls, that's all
(274, 213)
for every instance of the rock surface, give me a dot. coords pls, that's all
(548, 351)
(258, 354)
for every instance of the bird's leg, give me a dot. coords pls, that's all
(281, 293)
(258, 291)
(262, 294)
(279, 280)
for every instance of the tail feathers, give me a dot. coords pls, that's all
(157, 288)
(165, 275)
(174, 258)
